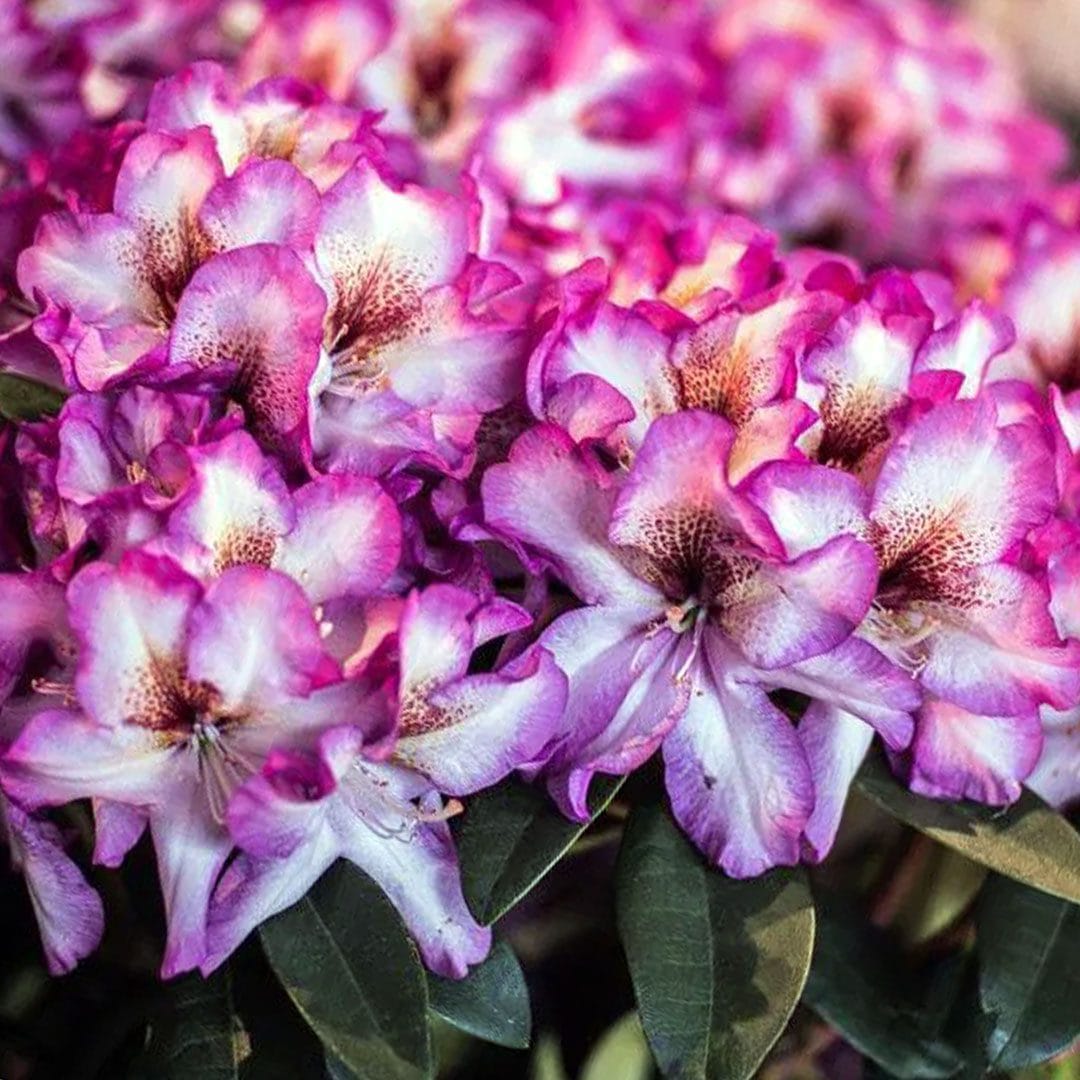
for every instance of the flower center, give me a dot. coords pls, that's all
(222, 767)
(387, 814)
(901, 634)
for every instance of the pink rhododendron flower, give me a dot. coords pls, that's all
(107, 466)
(336, 535)
(411, 357)
(434, 70)
(697, 607)
(181, 694)
(386, 814)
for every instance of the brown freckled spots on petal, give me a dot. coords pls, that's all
(245, 547)
(161, 697)
(418, 716)
(926, 554)
(855, 421)
(723, 377)
(687, 551)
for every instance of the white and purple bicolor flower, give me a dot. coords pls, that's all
(381, 804)
(698, 603)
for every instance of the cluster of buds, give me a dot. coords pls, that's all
(422, 425)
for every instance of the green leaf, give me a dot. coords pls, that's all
(547, 1060)
(510, 836)
(345, 959)
(1027, 841)
(198, 1036)
(492, 1003)
(718, 965)
(283, 1047)
(1029, 973)
(622, 1051)
(24, 399)
(858, 983)
(949, 884)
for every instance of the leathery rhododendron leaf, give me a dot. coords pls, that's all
(510, 839)
(1028, 841)
(858, 982)
(492, 1003)
(718, 965)
(24, 399)
(200, 1035)
(1027, 973)
(345, 959)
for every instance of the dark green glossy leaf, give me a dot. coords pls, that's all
(492, 1003)
(1027, 841)
(1029, 973)
(345, 959)
(510, 836)
(24, 399)
(197, 1036)
(718, 965)
(859, 984)
(283, 1047)
(335, 1070)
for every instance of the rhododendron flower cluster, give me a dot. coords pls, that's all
(428, 418)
